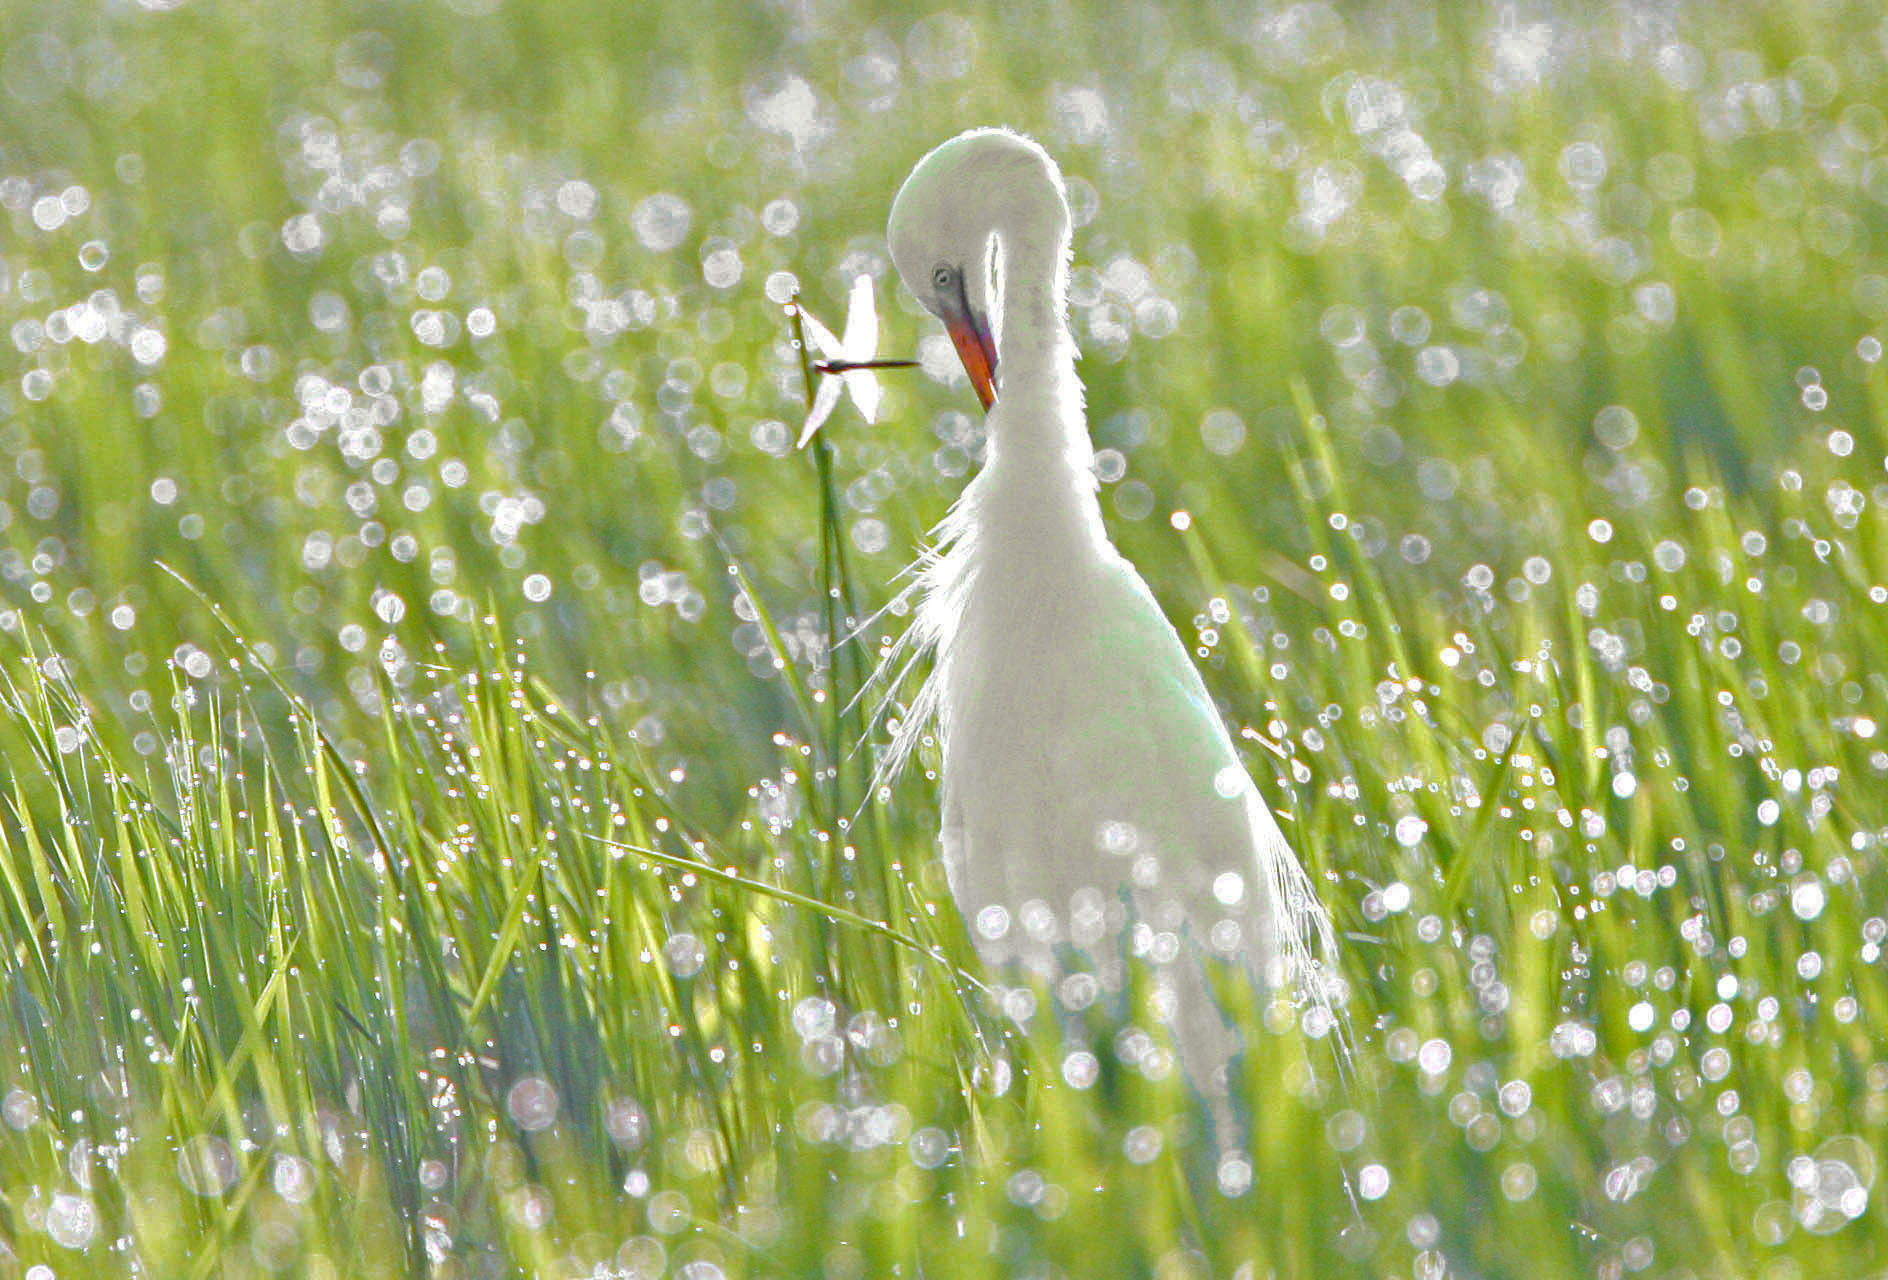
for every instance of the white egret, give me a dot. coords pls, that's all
(1093, 803)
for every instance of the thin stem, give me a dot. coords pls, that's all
(838, 914)
(847, 366)
(829, 818)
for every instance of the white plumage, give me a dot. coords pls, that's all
(1093, 803)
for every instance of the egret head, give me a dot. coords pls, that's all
(972, 202)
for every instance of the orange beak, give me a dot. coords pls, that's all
(970, 334)
(978, 352)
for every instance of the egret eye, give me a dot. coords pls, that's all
(941, 277)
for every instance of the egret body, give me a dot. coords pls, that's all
(1093, 803)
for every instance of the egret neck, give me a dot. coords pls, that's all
(1039, 469)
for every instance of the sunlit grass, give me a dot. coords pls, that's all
(424, 762)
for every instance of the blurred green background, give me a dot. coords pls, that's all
(1518, 366)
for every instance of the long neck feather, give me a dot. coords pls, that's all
(1038, 417)
(1036, 495)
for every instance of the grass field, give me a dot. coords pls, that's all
(423, 757)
